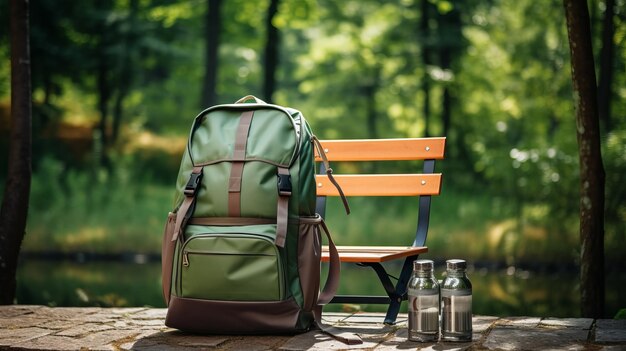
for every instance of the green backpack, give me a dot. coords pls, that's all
(242, 249)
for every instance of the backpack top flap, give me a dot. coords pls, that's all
(273, 136)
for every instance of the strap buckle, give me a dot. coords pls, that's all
(192, 184)
(284, 184)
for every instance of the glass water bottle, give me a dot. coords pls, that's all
(423, 296)
(456, 299)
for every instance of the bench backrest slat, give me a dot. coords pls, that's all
(380, 184)
(426, 183)
(384, 149)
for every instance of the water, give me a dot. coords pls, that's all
(495, 292)
(62, 283)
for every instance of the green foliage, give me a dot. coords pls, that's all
(355, 68)
(360, 50)
(517, 94)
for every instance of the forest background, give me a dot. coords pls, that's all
(116, 85)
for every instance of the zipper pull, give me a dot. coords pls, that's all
(185, 259)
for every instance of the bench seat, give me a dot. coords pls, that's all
(358, 254)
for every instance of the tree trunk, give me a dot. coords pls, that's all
(449, 41)
(125, 74)
(104, 95)
(103, 85)
(212, 28)
(446, 102)
(590, 158)
(14, 208)
(606, 65)
(271, 53)
(118, 112)
(426, 60)
(372, 115)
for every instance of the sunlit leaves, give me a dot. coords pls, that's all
(168, 15)
(296, 14)
(509, 76)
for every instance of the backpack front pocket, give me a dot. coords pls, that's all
(231, 267)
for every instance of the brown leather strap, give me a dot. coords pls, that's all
(234, 189)
(282, 207)
(239, 156)
(328, 292)
(182, 210)
(344, 336)
(167, 257)
(329, 172)
(334, 270)
(182, 214)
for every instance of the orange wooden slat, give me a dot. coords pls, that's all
(381, 249)
(383, 149)
(373, 253)
(380, 184)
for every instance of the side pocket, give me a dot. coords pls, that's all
(167, 256)
(309, 258)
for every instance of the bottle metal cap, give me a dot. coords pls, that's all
(423, 265)
(456, 264)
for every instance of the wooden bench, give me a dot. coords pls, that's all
(422, 186)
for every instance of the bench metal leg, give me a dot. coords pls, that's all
(400, 290)
(382, 276)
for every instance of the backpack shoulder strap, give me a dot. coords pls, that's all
(332, 281)
(328, 292)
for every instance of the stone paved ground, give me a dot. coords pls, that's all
(44, 328)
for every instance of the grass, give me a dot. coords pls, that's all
(95, 212)
(468, 225)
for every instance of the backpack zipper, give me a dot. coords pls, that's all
(203, 252)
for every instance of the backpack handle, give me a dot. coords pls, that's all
(250, 97)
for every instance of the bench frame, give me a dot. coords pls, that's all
(365, 150)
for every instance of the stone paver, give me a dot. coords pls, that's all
(45, 328)
(610, 331)
(581, 323)
(16, 336)
(507, 338)
(519, 322)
